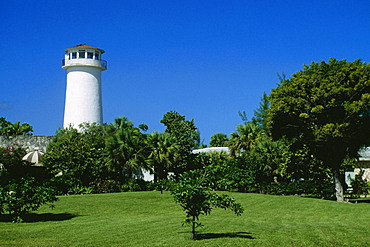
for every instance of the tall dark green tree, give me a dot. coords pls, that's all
(326, 106)
(260, 115)
(185, 134)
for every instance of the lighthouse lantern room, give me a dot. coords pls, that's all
(83, 103)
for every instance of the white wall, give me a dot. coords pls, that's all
(83, 96)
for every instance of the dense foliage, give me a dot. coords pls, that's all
(186, 137)
(11, 129)
(23, 187)
(76, 158)
(163, 154)
(326, 107)
(112, 157)
(126, 148)
(300, 141)
(218, 140)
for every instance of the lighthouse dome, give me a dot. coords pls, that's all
(84, 55)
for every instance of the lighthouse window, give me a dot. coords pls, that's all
(97, 56)
(74, 55)
(90, 55)
(81, 54)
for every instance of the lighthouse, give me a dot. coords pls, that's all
(83, 101)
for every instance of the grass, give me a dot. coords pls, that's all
(152, 219)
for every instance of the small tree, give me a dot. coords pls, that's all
(196, 198)
(22, 187)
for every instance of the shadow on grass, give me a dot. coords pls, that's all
(202, 236)
(33, 217)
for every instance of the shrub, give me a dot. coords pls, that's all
(106, 186)
(22, 187)
(164, 185)
(192, 193)
(21, 196)
(360, 186)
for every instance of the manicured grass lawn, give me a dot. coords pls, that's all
(152, 219)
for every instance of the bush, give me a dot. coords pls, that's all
(300, 188)
(135, 185)
(21, 196)
(80, 190)
(360, 186)
(22, 187)
(164, 185)
(64, 184)
(106, 186)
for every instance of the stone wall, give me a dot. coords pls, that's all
(27, 142)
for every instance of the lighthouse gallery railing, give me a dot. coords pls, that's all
(102, 63)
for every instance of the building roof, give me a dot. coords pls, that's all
(84, 46)
(211, 149)
(364, 154)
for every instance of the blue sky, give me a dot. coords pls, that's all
(205, 59)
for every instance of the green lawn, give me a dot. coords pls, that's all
(152, 219)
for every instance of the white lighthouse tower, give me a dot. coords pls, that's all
(83, 93)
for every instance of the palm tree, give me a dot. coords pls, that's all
(127, 149)
(246, 137)
(162, 154)
(11, 129)
(218, 140)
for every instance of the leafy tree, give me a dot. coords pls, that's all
(218, 140)
(326, 106)
(78, 156)
(22, 187)
(185, 135)
(305, 169)
(218, 166)
(11, 129)
(254, 170)
(196, 199)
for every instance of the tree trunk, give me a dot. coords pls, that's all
(193, 229)
(338, 185)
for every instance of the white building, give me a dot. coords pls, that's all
(83, 101)
(212, 149)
